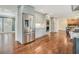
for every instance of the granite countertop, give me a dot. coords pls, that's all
(76, 31)
(74, 34)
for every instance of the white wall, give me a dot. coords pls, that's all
(59, 24)
(8, 10)
(19, 33)
(62, 24)
(56, 25)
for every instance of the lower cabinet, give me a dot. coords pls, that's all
(76, 45)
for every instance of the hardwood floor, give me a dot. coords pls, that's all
(54, 43)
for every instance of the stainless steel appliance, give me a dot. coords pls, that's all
(29, 31)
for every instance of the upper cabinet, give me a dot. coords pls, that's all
(39, 20)
(73, 21)
(28, 9)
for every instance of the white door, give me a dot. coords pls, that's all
(56, 25)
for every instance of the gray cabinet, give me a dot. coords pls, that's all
(76, 45)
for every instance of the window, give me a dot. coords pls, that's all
(7, 24)
(0, 24)
(13, 24)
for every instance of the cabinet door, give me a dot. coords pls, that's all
(0, 24)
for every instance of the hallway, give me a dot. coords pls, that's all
(54, 43)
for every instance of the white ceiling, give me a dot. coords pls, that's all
(52, 10)
(9, 7)
(55, 10)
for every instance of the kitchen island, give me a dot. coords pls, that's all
(75, 36)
